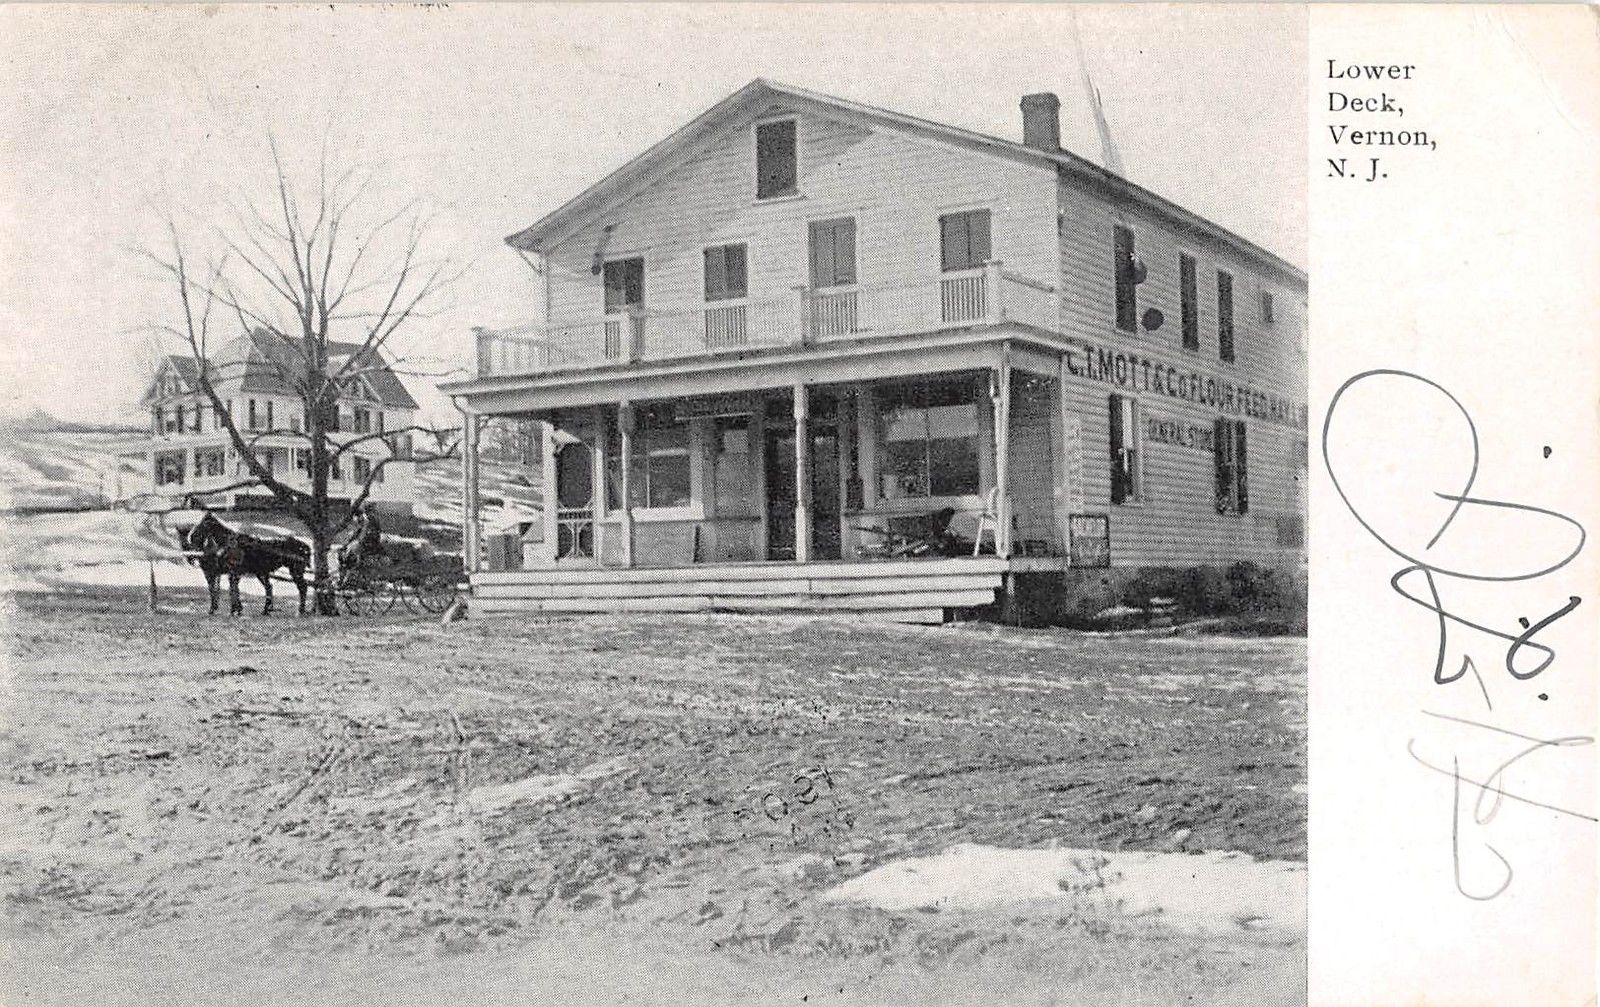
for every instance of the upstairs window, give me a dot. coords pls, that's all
(1225, 316)
(1126, 463)
(624, 283)
(253, 415)
(777, 173)
(727, 272)
(833, 252)
(1231, 478)
(1267, 316)
(361, 421)
(1190, 299)
(361, 468)
(269, 414)
(963, 240)
(1124, 270)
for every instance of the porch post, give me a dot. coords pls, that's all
(625, 490)
(597, 481)
(802, 475)
(1001, 397)
(469, 490)
(550, 492)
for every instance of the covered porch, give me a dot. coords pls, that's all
(914, 481)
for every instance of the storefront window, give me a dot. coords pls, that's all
(930, 439)
(660, 476)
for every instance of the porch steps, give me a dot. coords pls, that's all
(907, 591)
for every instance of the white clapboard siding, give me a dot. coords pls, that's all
(895, 186)
(1176, 523)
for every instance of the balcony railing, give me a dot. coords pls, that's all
(986, 296)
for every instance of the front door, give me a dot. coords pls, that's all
(825, 538)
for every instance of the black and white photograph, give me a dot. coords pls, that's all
(729, 504)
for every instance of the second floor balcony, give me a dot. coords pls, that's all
(990, 295)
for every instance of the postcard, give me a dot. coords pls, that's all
(799, 503)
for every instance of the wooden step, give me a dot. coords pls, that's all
(921, 603)
(779, 587)
(985, 565)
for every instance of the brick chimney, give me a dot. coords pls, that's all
(1041, 121)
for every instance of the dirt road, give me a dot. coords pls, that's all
(604, 809)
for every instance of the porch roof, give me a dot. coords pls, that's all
(832, 362)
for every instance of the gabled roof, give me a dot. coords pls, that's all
(267, 355)
(631, 177)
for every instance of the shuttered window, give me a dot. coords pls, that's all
(833, 252)
(1232, 482)
(1225, 315)
(963, 240)
(624, 284)
(727, 272)
(776, 168)
(1189, 296)
(1126, 471)
(1123, 268)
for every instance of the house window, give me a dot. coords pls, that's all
(660, 476)
(727, 273)
(361, 468)
(269, 414)
(361, 420)
(378, 414)
(963, 240)
(1124, 268)
(929, 430)
(1190, 299)
(1232, 482)
(295, 421)
(195, 425)
(335, 467)
(1267, 317)
(169, 468)
(211, 462)
(252, 414)
(1127, 468)
(776, 169)
(833, 252)
(1225, 315)
(624, 285)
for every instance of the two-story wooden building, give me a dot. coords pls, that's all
(801, 322)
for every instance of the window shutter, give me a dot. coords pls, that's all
(822, 254)
(1119, 482)
(952, 241)
(1222, 444)
(1240, 480)
(736, 270)
(977, 238)
(1189, 296)
(1225, 315)
(844, 251)
(716, 278)
(1122, 271)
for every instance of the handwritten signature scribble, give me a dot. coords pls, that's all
(1407, 501)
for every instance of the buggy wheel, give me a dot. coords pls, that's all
(436, 592)
(367, 600)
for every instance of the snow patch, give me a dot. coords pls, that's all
(1209, 892)
(541, 787)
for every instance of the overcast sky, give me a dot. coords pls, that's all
(492, 116)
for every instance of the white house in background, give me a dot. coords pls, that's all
(190, 452)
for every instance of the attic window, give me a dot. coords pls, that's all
(776, 170)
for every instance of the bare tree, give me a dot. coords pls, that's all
(339, 282)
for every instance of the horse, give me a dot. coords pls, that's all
(225, 551)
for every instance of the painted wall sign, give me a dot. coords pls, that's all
(1185, 435)
(1141, 374)
(1090, 538)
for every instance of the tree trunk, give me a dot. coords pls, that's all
(327, 599)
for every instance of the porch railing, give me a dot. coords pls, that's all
(986, 296)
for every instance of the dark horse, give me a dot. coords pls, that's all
(225, 551)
